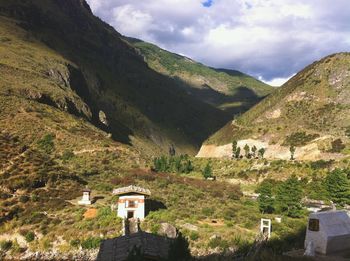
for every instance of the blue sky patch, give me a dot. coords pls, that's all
(208, 3)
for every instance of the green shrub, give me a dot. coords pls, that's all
(46, 143)
(91, 243)
(67, 155)
(29, 236)
(299, 139)
(194, 235)
(218, 242)
(75, 243)
(5, 245)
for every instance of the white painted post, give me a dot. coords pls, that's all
(265, 224)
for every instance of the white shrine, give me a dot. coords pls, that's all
(327, 233)
(86, 199)
(131, 202)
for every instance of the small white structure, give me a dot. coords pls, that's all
(265, 227)
(86, 197)
(328, 232)
(131, 202)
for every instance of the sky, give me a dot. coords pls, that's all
(269, 39)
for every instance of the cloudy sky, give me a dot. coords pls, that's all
(269, 39)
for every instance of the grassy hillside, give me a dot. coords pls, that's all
(314, 104)
(228, 90)
(59, 54)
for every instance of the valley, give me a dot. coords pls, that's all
(84, 108)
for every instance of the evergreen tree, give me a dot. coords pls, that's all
(207, 172)
(261, 152)
(247, 151)
(234, 148)
(238, 152)
(188, 167)
(338, 187)
(254, 149)
(288, 198)
(265, 199)
(292, 152)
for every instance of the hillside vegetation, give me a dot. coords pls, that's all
(312, 107)
(228, 90)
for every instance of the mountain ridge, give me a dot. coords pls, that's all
(311, 108)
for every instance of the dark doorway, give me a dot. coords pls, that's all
(130, 214)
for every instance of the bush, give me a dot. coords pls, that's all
(91, 243)
(75, 243)
(337, 146)
(194, 235)
(24, 199)
(299, 139)
(5, 245)
(67, 155)
(218, 242)
(46, 143)
(29, 236)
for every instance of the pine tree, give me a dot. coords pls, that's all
(254, 149)
(292, 152)
(247, 151)
(288, 198)
(238, 152)
(261, 152)
(338, 187)
(234, 148)
(265, 199)
(188, 166)
(207, 172)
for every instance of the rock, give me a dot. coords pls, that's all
(103, 118)
(190, 227)
(167, 229)
(215, 236)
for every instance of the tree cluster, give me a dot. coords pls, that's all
(176, 164)
(249, 153)
(285, 197)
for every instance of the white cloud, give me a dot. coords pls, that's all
(131, 21)
(276, 82)
(269, 38)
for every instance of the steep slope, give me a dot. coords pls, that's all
(311, 111)
(228, 90)
(58, 53)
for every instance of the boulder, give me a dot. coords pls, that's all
(168, 230)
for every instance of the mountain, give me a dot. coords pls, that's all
(228, 90)
(57, 53)
(65, 57)
(311, 112)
